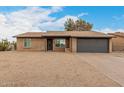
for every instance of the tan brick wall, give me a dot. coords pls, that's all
(118, 43)
(74, 44)
(37, 44)
(59, 49)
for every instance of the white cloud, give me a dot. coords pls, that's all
(82, 14)
(118, 18)
(109, 30)
(2, 19)
(31, 19)
(56, 9)
(25, 20)
(56, 24)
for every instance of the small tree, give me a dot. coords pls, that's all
(4, 45)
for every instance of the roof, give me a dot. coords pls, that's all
(56, 33)
(76, 34)
(121, 34)
(65, 34)
(30, 34)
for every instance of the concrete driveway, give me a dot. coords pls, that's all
(112, 65)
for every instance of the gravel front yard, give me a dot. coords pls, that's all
(49, 69)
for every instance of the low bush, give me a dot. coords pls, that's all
(5, 45)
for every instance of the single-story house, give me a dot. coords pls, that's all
(73, 41)
(118, 41)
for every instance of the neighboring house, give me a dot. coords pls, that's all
(73, 41)
(118, 41)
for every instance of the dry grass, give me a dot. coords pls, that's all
(48, 69)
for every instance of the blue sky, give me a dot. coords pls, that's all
(22, 18)
(100, 16)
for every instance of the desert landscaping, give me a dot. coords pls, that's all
(51, 69)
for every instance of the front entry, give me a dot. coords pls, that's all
(49, 44)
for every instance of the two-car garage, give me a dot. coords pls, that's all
(98, 45)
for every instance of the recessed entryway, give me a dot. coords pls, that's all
(49, 44)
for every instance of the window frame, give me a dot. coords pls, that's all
(28, 40)
(60, 42)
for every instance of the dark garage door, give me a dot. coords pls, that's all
(92, 45)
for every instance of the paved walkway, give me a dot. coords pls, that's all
(112, 65)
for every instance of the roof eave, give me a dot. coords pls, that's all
(56, 36)
(91, 37)
(26, 37)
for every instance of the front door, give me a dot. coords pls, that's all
(49, 44)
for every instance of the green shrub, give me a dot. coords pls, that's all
(4, 45)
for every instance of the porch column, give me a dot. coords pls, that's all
(74, 44)
(45, 40)
(110, 45)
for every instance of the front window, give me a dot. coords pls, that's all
(60, 43)
(27, 43)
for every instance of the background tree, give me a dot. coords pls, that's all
(78, 25)
(69, 25)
